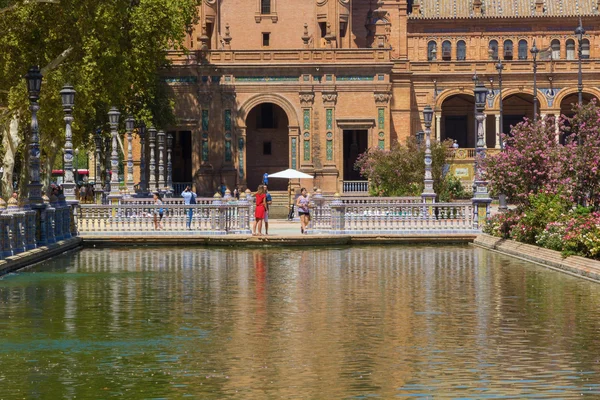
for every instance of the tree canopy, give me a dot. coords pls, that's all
(110, 51)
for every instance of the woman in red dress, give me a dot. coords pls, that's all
(260, 210)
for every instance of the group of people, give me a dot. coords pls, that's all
(189, 197)
(261, 211)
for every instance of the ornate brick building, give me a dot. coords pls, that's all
(310, 84)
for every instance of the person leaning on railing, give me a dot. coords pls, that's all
(189, 197)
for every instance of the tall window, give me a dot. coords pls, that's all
(493, 49)
(522, 49)
(508, 50)
(555, 45)
(446, 50)
(265, 6)
(432, 51)
(585, 48)
(570, 49)
(461, 50)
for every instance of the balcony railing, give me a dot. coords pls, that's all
(286, 57)
(355, 187)
(470, 153)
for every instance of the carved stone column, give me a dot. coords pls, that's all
(161, 160)
(382, 101)
(306, 101)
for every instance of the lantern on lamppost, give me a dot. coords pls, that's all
(428, 194)
(34, 85)
(68, 100)
(129, 126)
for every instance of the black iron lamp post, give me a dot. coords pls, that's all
(428, 194)
(68, 100)
(481, 198)
(534, 52)
(420, 135)
(499, 67)
(129, 126)
(34, 85)
(143, 172)
(579, 32)
(113, 120)
(475, 79)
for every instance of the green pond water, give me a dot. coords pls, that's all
(278, 323)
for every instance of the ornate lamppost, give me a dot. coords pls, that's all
(534, 52)
(34, 85)
(579, 32)
(499, 67)
(161, 160)
(475, 79)
(428, 194)
(113, 120)
(143, 172)
(169, 163)
(129, 125)
(68, 99)
(98, 161)
(481, 198)
(152, 179)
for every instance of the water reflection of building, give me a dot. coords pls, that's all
(310, 84)
(340, 321)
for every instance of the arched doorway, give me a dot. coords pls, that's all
(515, 108)
(267, 145)
(457, 120)
(568, 106)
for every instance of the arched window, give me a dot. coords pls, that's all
(508, 50)
(446, 50)
(522, 49)
(570, 49)
(585, 48)
(555, 45)
(493, 50)
(461, 50)
(432, 51)
(265, 6)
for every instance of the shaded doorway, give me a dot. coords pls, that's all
(267, 145)
(182, 156)
(516, 107)
(458, 122)
(568, 106)
(356, 142)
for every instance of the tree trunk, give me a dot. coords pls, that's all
(11, 142)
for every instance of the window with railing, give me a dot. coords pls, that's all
(265, 6)
(446, 50)
(493, 49)
(555, 45)
(585, 48)
(570, 49)
(461, 50)
(432, 51)
(508, 50)
(523, 50)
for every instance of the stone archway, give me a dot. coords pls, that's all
(254, 136)
(457, 119)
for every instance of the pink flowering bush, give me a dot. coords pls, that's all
(501, 224)
(531, 163)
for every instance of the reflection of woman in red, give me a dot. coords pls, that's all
(259, 212)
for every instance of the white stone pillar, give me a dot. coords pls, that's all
(438, 126)
(556, 129)
(498, 130)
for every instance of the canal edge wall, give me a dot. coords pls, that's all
(573, 265)
(42, 253)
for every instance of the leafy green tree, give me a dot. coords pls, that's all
(400, 171)
(111, 51)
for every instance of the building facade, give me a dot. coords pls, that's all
(311, 84)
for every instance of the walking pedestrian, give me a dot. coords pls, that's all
(269, 200)
(259, 211)
(303, 204)
(189, 197)
(158, 210)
